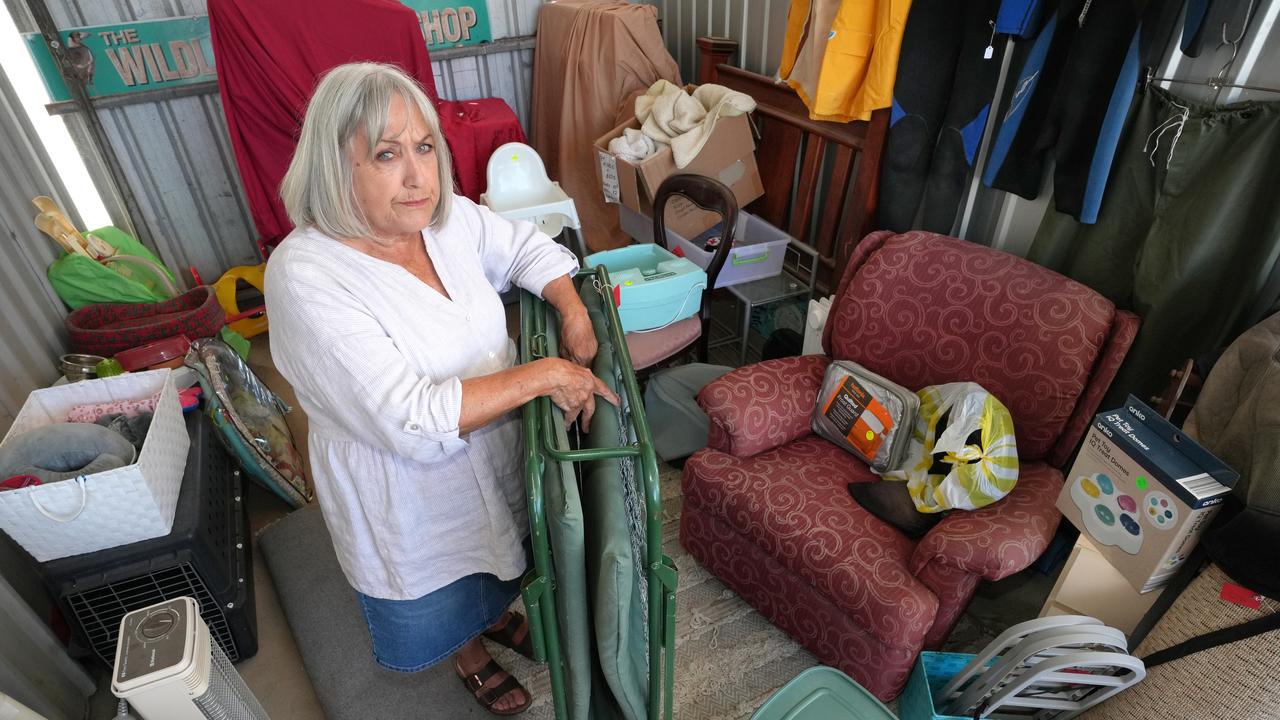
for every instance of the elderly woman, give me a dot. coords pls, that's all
(385, 317)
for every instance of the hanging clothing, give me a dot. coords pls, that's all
(1075, 81)
(592, 58)
(841, 56)
(941, 101)
(1019, 18)
(1188, 233)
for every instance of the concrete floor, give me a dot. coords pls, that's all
(276, 674)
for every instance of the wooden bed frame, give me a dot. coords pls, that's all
(830, 213)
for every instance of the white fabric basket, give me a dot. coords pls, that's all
(106, 509)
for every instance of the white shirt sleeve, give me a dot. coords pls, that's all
(355, 374)
(516, 252)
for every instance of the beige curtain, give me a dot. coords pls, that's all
(592, 58)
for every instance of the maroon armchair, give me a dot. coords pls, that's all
(767, 508)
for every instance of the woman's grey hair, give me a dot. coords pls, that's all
(317, 189)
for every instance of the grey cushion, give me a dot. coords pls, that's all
(64, 450)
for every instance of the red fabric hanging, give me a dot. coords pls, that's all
(270, 56)
(474, 129)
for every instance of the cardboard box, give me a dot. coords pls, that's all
(1143, 492)
(728, 156)
(1088, 585)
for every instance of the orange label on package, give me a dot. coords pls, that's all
(863, 419)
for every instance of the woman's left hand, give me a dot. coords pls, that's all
(578, 338)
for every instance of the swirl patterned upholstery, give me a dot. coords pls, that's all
(766, 503)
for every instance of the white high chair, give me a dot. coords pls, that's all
(519, 189)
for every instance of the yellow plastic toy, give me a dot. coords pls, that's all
(246, 322)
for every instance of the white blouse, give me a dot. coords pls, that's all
(377, 359)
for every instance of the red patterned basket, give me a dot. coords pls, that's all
(106, 329)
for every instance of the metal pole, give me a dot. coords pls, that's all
(49, 29)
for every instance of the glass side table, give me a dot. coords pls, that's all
(801, 260)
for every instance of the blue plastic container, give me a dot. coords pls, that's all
(652, 287)
(932, 671)
(822, 693)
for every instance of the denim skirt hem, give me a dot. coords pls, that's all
(411, 635)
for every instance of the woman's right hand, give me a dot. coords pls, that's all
(574, 389)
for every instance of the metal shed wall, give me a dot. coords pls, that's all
(758, 25)
(31, 334)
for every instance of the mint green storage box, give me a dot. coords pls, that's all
(823, 693)
(933, 670)
(652, 287)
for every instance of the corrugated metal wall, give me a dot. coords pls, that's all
(177, 155)
(758, 25)
(31, 335)
(507, 75)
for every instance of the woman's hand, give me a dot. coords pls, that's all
(574, 390)
(578, 338)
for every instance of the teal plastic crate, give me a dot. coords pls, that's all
(652, 287)
(932, 671)
(823, 693)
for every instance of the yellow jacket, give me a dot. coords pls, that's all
(841, 56)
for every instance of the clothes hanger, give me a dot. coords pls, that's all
(1219, 81)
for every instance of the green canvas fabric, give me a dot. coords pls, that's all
(1188, 233)
(617, 602)
(563, 507)
(80, 281)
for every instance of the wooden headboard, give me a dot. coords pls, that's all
(831, 213)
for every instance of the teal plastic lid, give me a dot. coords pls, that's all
(823, 693)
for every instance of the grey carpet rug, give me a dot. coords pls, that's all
(729, 659)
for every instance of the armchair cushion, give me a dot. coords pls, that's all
(793, 503)
(924, 309)
(1002, 538)
(762, 406)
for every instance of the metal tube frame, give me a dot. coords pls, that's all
(541, 443)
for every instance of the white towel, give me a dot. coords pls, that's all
(632, 145)
(671, 116)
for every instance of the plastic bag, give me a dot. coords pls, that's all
(81, 281)
(963, 454)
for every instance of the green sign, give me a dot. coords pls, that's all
(452, 23)
(151, 54)
(118, 59)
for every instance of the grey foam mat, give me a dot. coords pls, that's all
(327, 625)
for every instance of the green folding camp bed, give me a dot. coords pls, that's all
(601, 596)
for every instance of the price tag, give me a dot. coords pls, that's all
(608, 176)
(1241, 596)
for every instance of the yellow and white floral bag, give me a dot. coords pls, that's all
(963, 453)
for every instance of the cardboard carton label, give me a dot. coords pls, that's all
(608, 176)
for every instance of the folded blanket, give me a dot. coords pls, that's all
(671, 116)
(632, 145)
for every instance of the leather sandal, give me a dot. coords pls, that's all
(513, 634)
(488, 696)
